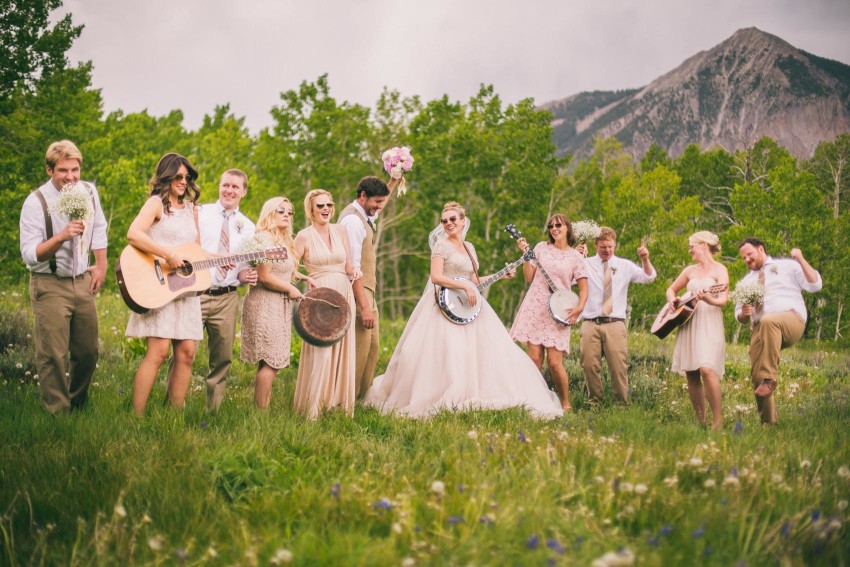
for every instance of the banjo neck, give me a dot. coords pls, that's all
(498, 275)
(552, 287)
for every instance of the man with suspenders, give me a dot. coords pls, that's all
(62, 284)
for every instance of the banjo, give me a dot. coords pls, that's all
(454, 303)
(562, 301)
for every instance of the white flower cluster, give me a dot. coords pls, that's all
(748, 293)
(74, 202)
(585, 230)
(256, 244)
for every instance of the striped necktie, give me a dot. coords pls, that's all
(224, 243)
(607, 292)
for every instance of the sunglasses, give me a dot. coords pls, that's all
(180, 177)
(285, 212)
(451, 219)
(554, 225)
(323, 205)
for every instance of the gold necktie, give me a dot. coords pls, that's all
(607, 295)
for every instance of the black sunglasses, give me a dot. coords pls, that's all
(554, 225)
(323, 205)
(450, 219)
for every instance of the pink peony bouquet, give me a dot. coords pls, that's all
(397, 162)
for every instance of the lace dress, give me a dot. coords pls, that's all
(533, 323)
(267, 321)
(181, 318)
(439, 365)
(326, 374)
(701, 342)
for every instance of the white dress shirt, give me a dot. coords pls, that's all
(356, 233)
(784, 282)
(70, 260)
(210, 219)
(625, 273)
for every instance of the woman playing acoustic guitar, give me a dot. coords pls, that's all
(700, 347)
(168, 219)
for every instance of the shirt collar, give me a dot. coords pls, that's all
(220, 209)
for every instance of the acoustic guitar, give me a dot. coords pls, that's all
(671, 317)
(147, 282)
(563, 300)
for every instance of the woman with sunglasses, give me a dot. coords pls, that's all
(440, 365)
(168, 219)
(326, 374)
(534, 326)
(267, 309)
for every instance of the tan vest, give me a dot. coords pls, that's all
(368, 262)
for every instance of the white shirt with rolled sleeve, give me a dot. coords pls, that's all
(784, 282)
(356, 233)
(34, 232)
(625, 273)
(210, 219)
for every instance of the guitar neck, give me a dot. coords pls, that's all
(498, 275)
(234, 259)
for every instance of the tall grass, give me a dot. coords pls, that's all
(643, 483)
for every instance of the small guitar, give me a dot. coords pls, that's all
(147, 282)
(672, 317)
(562, 301)
(454, 303)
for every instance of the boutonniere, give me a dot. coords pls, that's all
(773, 270)
(613, 270)
(239, 226)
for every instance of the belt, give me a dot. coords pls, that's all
(58, 277)
(214, 291)
(603, 320)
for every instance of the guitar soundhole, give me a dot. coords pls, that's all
(182, 277)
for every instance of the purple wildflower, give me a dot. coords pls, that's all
(555, 546)
(739, 427)
(454, 520)
(699, 532)
(382, 504)
(335, 490)
(521, 437)
(533, 542)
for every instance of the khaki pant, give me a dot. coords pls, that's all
(368, 346)
(219, 314)
(774, 332)
(65, 321)
(610, 340)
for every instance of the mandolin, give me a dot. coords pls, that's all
(671, 317)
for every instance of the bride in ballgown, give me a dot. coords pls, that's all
(439, 365)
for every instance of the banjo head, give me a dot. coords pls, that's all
(561, 303)
(323, 317)
(455, 305)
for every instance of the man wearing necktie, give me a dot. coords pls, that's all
(604, 330)
(224, 231)
(779, 320)
(359, 219)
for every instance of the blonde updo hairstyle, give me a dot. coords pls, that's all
(706, 237)
(267, 225)
(454, 206)
(310, 199)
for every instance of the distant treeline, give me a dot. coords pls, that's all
(497, 160)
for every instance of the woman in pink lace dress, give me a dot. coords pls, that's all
(534, 325)
(168, 219)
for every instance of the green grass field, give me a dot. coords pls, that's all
(643, 485)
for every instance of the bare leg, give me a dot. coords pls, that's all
(155, 355)
(696, 393)
(263, 385)
(535, 353)
(711, 385)
(559, 376)
(178, 385)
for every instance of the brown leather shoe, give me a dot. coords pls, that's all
(766, 388)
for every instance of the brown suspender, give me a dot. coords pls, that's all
(48, 226)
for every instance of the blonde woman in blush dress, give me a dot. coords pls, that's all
(534, 325)
(168, 219)
(700, 349)
(267, 309)
(326, 374)
(439, 365)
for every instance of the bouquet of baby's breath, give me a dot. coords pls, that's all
(75, 202)
(748, 293)
(585, 230)
(256, 244)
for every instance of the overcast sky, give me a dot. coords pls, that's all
(191, 55)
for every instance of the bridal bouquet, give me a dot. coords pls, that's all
(748, 293)
(585, 230)
(256, 244)
(397, 162)
(75, 202)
